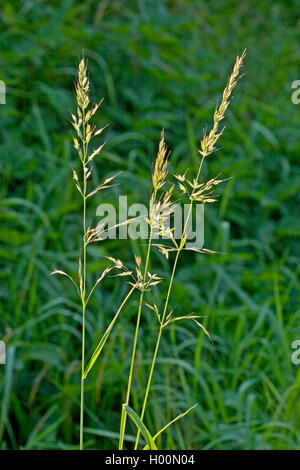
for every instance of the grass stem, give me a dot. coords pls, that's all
(124, 414)
(182, 242)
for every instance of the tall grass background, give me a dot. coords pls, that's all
(157, 64)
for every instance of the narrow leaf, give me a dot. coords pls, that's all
(99, 348)
(140, 425)
(105, 336)
(62, 273)
(171, 422)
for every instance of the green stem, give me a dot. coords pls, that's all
(157, 345)
(83, 297)
(124, 414)
(182, 242)
(83, 330)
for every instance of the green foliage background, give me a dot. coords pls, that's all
(157, 64)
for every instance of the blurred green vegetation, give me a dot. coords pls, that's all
(157, 63)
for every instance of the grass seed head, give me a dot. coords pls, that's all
(209, 141)
(161, 165)
(82, 87)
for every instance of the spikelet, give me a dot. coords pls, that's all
(160, 213)
(82, 87)
(209, 141)
(85, 131)
(160, 168)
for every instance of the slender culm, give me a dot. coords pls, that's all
(158, 179)
(85, 133)
(198, 193)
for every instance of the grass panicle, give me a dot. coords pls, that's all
(85, 133)
(199, 193)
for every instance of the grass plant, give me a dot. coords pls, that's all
(85, 133)
(158, 64)
(160, 208)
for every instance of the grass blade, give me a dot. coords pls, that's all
(105, 336)
(142, 428)
(7, 389)
(171, 422)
